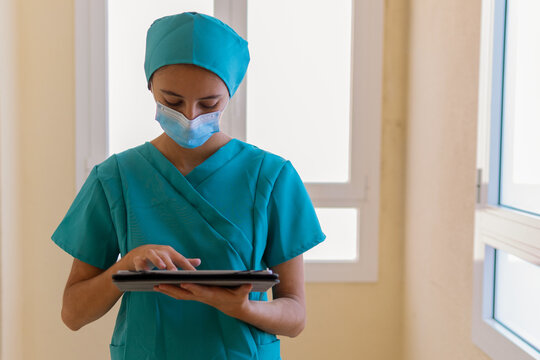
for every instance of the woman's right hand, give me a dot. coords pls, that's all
(90, 293)
(163, 257)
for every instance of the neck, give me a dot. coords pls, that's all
(185, 159)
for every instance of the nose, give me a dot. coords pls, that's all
(190, 111)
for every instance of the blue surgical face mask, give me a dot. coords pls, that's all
(187, 133)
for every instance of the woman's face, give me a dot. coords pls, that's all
(189, 89)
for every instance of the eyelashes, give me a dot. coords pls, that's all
(172, 104)
(204, 106)
(208, 106)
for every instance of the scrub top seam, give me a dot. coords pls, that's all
(211, 215)
(267, 200)
(110, 212)
(225, 160)
(122, 184)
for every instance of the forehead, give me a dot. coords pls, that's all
(188, 80)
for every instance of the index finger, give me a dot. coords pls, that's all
(180, 261)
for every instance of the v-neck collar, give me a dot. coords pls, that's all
(226, 229)
(204, 169)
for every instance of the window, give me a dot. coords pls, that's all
(299, 82)
(520, 157)
(334, 116)
(507, 240)
(516, 297)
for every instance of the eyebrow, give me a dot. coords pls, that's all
(168, 92)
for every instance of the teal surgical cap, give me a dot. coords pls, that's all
(198, 39)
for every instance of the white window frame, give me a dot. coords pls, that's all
(496, 227)
(361, 192)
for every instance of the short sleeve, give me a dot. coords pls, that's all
(87, 231)
(293, 227)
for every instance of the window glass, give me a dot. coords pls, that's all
(298, 85)
(517, 296)
(520, 163)
(131, 105)
(340, 226)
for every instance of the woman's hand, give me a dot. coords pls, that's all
(90, 293)
(231, 301)
(284, 315)
(163, 257)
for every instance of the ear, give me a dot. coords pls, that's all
(150, 83)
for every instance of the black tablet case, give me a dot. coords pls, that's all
(262, 280)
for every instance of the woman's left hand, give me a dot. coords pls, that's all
(231, 301)
(285, 314)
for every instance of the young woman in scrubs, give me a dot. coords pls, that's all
(193, 198)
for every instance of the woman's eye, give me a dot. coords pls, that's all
(208, 106)
(168, 103)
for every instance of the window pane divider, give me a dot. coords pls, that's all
(328, 191)
(91, 135)
(511, 231)
(233, 121)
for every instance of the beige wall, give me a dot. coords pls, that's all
(43, 136)
(419, 308)
(443, 83)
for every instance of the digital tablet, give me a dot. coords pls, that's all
(262, 280)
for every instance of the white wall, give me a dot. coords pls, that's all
(10, 259)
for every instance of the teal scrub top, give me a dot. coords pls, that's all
(242, 208)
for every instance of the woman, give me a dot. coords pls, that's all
(191, 198)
